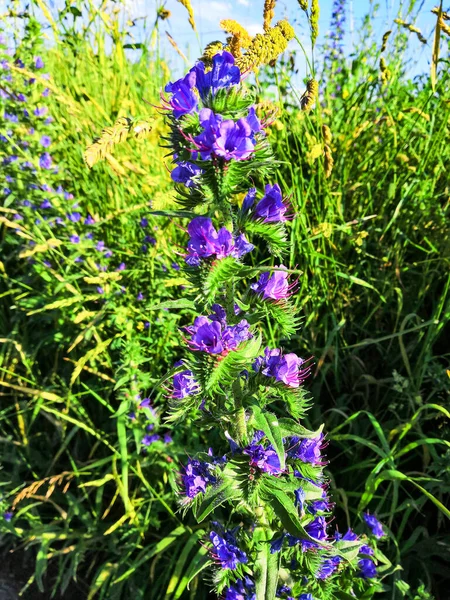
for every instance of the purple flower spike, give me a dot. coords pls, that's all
(223, 74)
(328, 567)
(271, 207)
(183, 100)
(249, 200)
(38, 63)
(148, 440)
(317, 529)
(226, 550)
(45, 141)
(186, 173)
(184, 385)
(368, 569)
(203, 240)
(285, 368)
(374, 524)
(196, 477)
(274, 287)
(8, 515)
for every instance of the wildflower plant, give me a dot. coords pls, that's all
(263, 486)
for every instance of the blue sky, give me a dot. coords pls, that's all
(208, 14)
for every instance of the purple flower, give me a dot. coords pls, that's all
(167, 438)
(299, 498)
(242, 589)
(184, 385)
(227, 139)
(266, 460)
(186, 173)
(89, 220)
(317, 529)
(40, 112)
(271, 207)
(223, 74)
(45, 161)
(305, 597)
(148, 440)
(38, 63)
(11, 117)
(276, 544)
(144, 222)
(307, 450)
(328, 567)
(374, 524)
(183, 99)
(274, 287)
(75, 239)
(74, 217)
(283, 367)
(368, 569)
(205, 241)
(46, 203)
(196, 477)
(8, 515)
(45, 141)
(206, 336)
(249, 200)
(226, 550)
(100, 246)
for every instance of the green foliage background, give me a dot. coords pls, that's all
(371, 247)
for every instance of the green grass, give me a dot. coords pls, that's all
(371, 244)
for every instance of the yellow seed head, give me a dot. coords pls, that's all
(188, 6)
(385, 39)
(444, 27)
(328, 160)
(163, 13)
(266, 47)
(234, 45)
(308, 99)
(385, 73)
(314, 20)
(303, 4)
(235, 28)
(411, 28)
(444, 15)
(326, 132)
(268, 14)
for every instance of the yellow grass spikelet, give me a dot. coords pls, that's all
(176, 47)
(385, 39)
(188, 6)
(52, 482)
(234, 28)
(210, 50)
(328, 160)
(411, 28)
(308, 99)
(326, 132)
(163, 14)
(303, 4)
(266, 47)
(268, 14)
(314, 20)
(385, 73)
(111, 136)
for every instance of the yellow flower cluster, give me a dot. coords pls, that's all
(266, 47)
(210, 50)
(236, 30)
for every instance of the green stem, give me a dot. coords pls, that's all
(240, 427)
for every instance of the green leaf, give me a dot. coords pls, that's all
(180, 303)
(289, 428)
(274, 234)
(347, 549)
(267, 422)
(266, 565)
(214, 497)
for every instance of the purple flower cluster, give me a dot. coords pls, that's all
(226, 550)
(374, 524)
(227, 139)
(196, 477)
(265, 459)
(184, 385)
(307, 449)
(273, 287)
(206, 242)
(282, 367)
(183, 97)
(242, 589)
(186, 173)
(270, 209)
(212, 334)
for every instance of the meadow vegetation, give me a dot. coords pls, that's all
(91, 310)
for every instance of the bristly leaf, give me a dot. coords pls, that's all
(222, 271)
(289, 428)
(274, 234)
(282, 312)
(228, 368)
(267, 422)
